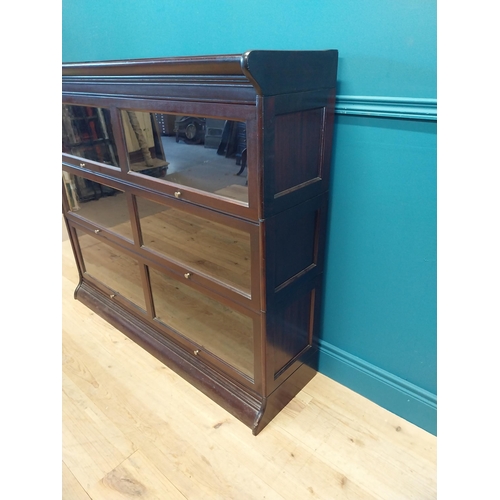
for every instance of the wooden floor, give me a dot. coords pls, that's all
(132, 429)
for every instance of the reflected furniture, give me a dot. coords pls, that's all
(216, 272)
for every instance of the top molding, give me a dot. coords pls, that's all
(270, 72)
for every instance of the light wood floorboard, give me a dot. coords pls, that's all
(134, 429)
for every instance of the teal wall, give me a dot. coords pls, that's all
(379, 321)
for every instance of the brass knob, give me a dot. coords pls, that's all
(187, 275)
(82, 164)
(112, 296)
(97, 231)
(196, 352)
(177, 194)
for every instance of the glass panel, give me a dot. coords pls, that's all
(87, 132)
(209, 247)
(202, 153)
(112, 268)
(98, 203)
(217, 328)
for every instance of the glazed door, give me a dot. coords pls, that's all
(197, 152)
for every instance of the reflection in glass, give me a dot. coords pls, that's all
(144, 146)
(202, 153)
(209, 247)
(112, 268)
(215, 327)
(87, 133)
(98, 203)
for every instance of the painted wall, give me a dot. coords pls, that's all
(379, 324)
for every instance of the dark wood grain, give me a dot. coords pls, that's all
(297, 145)
(226, 293)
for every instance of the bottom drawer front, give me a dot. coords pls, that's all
(215, 327)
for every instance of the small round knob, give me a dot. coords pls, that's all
(187, 275)
(196, 352)
(97, 231)
(177, 194)
(82, 164)
(112, 296)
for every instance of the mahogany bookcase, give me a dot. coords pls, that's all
(207, 253)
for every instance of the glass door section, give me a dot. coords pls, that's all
(87, 133)
(98, 203)
(218, 251)
(215, 327)
(112, 268)
(202, 153)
